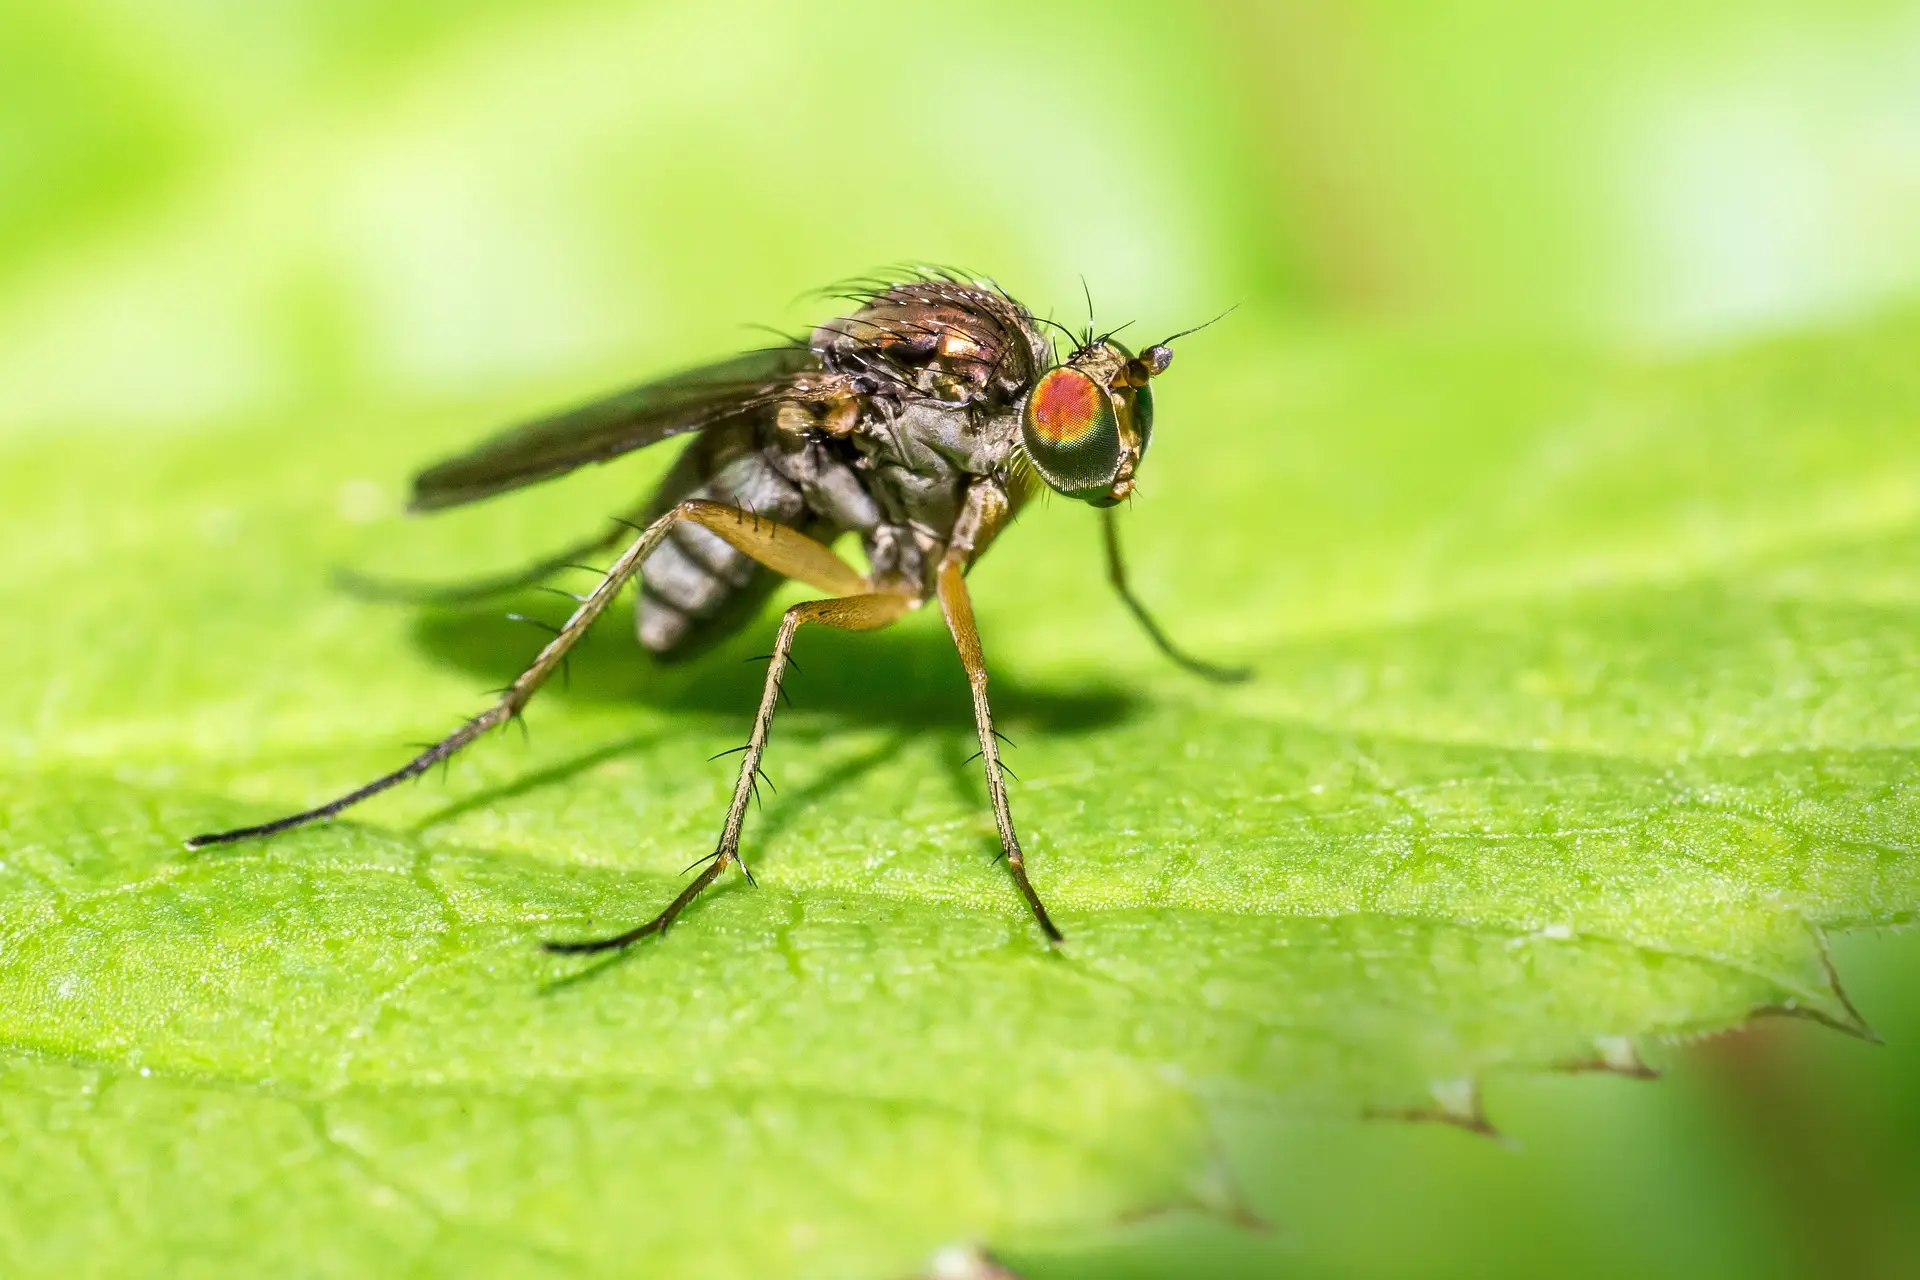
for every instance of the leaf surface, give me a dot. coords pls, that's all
(1586, 700)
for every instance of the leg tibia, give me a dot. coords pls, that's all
(865, 612)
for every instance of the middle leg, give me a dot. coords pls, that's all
(867, 612)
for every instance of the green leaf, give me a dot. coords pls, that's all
(1586, 699)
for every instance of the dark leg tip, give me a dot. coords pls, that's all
(619, 942)
(273, 828)
(583, 948)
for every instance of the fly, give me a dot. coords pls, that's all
(922, 423)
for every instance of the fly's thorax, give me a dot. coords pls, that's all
(952, 341)
(918, 507)
(919, 461)
(939, 438)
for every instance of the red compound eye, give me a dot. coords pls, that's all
(1066, 405)
(1072, 434)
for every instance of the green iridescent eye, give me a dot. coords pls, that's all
(1072, 434)
(1143, 416)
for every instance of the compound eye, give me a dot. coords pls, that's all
(1072, 433)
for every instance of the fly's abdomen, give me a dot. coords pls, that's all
(696, 589)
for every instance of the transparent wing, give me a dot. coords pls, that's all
(632, 419)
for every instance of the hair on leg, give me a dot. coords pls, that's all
(958, 608)
(865, 612)
(784, 550)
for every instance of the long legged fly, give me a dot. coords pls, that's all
(922, 422)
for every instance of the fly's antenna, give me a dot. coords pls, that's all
(1197, 328)
(1154, 360)
(1089, 295)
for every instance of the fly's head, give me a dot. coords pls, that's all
(1086, 423)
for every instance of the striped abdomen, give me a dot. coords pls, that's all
(696, 589)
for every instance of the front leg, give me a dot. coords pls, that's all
(985, 511)
(1117, 576)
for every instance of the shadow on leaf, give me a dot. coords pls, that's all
(907, 677)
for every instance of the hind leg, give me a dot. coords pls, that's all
(786, 551)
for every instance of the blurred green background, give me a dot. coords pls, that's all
(221, 213)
